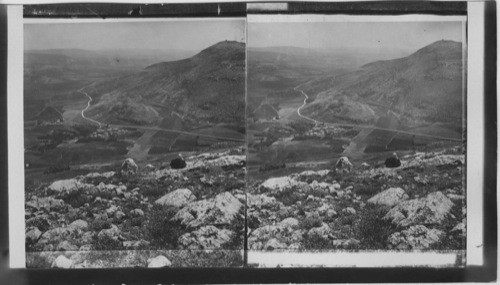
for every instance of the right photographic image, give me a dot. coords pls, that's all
(356, 132)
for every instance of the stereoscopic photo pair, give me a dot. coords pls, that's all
(260, 141)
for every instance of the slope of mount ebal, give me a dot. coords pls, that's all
(423, 88)
(206, 89)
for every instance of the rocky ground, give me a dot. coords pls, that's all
(419, 205)
(192, 216)
(195, 216)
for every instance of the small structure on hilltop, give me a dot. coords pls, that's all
(178, 162)
(393, 161)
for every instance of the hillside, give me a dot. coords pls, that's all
(205, 89)
(424, 87)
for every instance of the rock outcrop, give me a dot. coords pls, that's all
(429, 210)
(220, 210)
(178, 198)
(159, 261)
(389, 197)
(207, 237)
(415, 237)
(129, 167)
(343, 165)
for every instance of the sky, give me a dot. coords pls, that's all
(189, 35)
(326, 35)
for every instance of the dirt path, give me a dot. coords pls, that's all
(141, 146)
(86, 108)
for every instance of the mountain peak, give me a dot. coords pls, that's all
(224, 49)
(443, 48)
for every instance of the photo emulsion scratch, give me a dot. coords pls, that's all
(175, 143)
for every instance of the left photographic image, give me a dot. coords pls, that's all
(134, 143)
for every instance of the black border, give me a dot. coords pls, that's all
(256, 275)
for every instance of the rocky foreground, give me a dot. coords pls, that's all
(168, 217)
(419, 205)
(195, 216)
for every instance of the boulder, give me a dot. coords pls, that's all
(112, 233)
(289, 223)
(343, 165)
(393, 161)
(178, 198)
(345, 243)
(129, 167)
(432, 209)
(349, 210)
(111, 210)
(273, 244)
(286, 233)
(323, 231)
(150, 167)
(135, 244)
(62, 262)
(365, 166)
(422, 160)
(137, 213)
(32, 234)
(224, 161)
(46, 203)
(66, 246)
(159, 261)
(56, 235)
(220, 210)
(260, 201)
(389, 197)
(178, 163)
(79, 225)
(460, 227)
(282, 183)
(108, 174)
(415, 237)
(68, 185)
(311, 173)
(119, 215)
(207, 237)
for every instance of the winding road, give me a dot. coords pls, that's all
(303, 105)
(366, 126)
(150, 128)
(86, 108)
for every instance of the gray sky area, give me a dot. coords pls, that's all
(189, 35)
(326, 35)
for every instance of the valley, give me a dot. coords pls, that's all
(322, 107)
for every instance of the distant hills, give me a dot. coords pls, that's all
(205, 89)
(118, 58)
(424, 86)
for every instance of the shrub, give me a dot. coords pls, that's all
(40, 222)
(271, 166)
(316, 242)
(100, 224)
(238, 228)
(106, 243)
(163, 233)
(76, 199)
(311, 222)
(289, 196)
(371, 229)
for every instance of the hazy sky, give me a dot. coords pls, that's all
(319, 35)
(190, 35)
